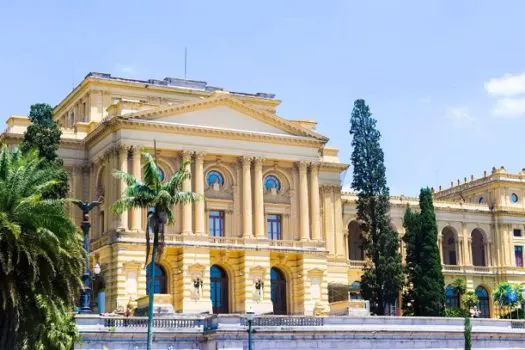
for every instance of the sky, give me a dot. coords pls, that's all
(445, 79)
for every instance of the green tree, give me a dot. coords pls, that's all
(383, 277)
(423, 264)
(43, 135)
(158, 198)
(41, 257)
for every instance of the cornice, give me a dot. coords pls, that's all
(73, 143)
(137, 124)
(229, 101)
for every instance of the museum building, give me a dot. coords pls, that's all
(274, 228)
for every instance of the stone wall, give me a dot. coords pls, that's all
(280, 332)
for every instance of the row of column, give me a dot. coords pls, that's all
(253, 221)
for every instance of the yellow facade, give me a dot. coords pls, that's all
(107, 122)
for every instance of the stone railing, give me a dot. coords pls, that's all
(227, 242)
(452, 268)
(483, 269)
(139, 324)
(287, 321)
(356, 263)
(142, 322)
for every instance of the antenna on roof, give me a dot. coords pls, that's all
(185, 61)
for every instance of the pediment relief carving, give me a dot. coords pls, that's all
(217, 192)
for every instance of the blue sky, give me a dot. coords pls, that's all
(445, 79)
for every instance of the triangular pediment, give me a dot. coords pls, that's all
(226, 113)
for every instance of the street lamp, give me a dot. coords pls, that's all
(250, 315)
(85, 295)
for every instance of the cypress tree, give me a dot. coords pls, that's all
(43, 135)
(383, 275)
(425, 278)
(411, 224)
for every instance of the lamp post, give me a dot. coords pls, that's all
(250, 315)
(85, 295)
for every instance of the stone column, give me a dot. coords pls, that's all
(186, 187)
(136, 169)
(489, 253)
(314, 201)
(123, 166)
(470, 260)
(199, 189)
(258, 199)
(246, 198)
(304, 222)
(338, 215)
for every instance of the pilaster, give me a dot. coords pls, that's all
(246, 198)
(314, 201)
(136, 213)
(186, 187)
(258, 199)
(304, 223)
(123, 166)
(199, 205)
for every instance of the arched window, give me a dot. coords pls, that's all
(449, 246)
(478, 248)
(159, 284)
(272, 181)
(355, 241)
(483, 297)
(214, 177)
(278, 291)
(451, 297)
(219, 290)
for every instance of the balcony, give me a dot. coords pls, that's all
(468, 269)
(238, 243)
(356, 264)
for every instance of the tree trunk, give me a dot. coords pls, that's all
(151, 286)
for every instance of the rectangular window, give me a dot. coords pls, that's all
(216, 223)
(518, 255)
(517, 232)
(274, 226)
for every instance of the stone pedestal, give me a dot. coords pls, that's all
(162, 305)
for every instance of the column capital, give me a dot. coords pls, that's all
(314, 166)
(137, 148)
(259, 160)
(122, 147)
(302, 165)
(200, 155)
(246, 160)
(186, 155)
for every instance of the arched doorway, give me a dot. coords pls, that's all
(278, 291)
(219, 290)
(160, 285)
(449, 246)
(484, 306)
(478, 248)
(355, 242)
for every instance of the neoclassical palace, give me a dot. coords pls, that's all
(274, 228)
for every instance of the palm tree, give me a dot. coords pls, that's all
(158, 198)
(41, 257)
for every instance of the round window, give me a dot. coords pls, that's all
(162, 174)
(481, 200)
(270, 182)
(214, 177)
(514, 198)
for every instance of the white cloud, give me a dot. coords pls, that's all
(506, 85)
(509, 107)
(459, 114)
(125, 69)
